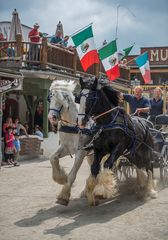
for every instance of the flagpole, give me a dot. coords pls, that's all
(135, 57)
(120, 5)
(117, 21)
(81, 29)
(131, 60)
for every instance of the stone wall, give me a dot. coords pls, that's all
(31, 146)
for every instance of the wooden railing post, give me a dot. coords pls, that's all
(97, 66)
(75, 62)
(44, 53)
(164, 99)
(19, 45)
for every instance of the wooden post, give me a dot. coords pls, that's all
(44, 53)
(164, 99)
(45, 113)
(97, 70)
(19, 45)
(1, 113)
(75, 62)
(32, 105)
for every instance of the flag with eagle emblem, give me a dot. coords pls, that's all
(109, 57)
(85, 46)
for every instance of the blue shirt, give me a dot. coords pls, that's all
(55, 39)
(39, 133)
(137, 103)
(156, 106)
(64, 43)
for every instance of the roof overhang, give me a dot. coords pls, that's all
(10, 80)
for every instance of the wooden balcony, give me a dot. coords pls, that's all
(19, 54)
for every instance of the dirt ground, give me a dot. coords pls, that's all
(28, 210)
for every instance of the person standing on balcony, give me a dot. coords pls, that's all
(64, 44)
(56, 39)
(34, 36)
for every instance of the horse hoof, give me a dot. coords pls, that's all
(99, 196)
(153, 194)
(94, 203)
(83, 194)
(62, 202)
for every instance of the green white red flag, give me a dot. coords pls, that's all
(84, 43)
(124, 52)
(109, 57)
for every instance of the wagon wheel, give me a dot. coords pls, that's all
(164, 165)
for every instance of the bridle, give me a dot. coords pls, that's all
(58, 111)
(94, 95)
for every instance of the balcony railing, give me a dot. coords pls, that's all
(44, 55)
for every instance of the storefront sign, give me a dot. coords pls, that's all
(157, 56)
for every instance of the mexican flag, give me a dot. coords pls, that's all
(109, 57)
(124, 53)
(84, 43)
(143, 63)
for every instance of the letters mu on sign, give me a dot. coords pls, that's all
(157, 56)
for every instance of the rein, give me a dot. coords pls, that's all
(104, 113)
(62, 120)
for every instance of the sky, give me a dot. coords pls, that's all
(144, 22)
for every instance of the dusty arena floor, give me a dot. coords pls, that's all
(28, 210)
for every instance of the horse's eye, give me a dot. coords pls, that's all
(77, 99)
(49, 98)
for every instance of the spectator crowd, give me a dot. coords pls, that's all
(11, 132)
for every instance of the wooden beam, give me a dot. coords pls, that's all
(44, 53)
(165, 70)
(45, 113)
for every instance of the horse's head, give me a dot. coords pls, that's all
(86, 85)
(59, 104)
(96, 100)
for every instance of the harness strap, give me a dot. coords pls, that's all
(56, 110)
(104, 113)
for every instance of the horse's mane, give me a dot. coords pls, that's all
(112, 94)
(63, 85)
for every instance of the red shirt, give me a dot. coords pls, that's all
(9, 137)
(34, 35)
(3, 39)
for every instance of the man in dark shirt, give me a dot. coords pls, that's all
(139, 105)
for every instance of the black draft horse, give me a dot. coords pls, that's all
(117, 134)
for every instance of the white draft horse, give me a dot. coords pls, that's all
(63, 114)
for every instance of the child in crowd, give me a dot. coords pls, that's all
(19, 127)
(38, 131)
(10, 148)
(17, 149)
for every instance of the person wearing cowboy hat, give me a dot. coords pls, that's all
(34, 36)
